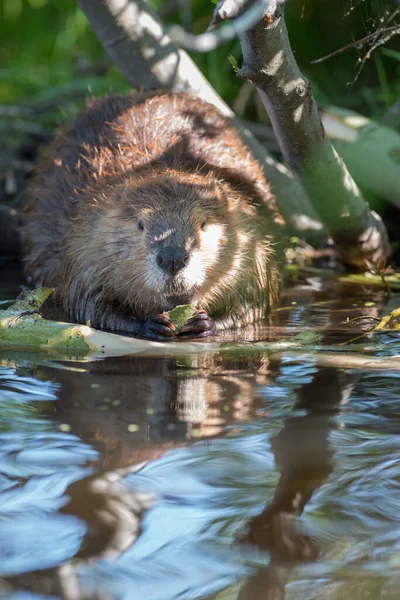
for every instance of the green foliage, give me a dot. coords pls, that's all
(48, 49)
(44, 45)
(180, 314)
(392, 53)
(319, 27)
(233, 62)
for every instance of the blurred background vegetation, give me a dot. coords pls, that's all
(49, 51)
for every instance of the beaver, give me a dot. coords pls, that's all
(148, 201)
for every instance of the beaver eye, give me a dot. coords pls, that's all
(203, 225)
(140, 225)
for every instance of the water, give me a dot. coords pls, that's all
(249, 477)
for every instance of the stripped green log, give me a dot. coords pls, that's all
(371, 279)
(387, 281)
(23, 329)
(21, 326)
(358, 362)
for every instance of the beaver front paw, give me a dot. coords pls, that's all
(199, 326)
(158, 327)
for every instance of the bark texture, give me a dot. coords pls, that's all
(268, 62)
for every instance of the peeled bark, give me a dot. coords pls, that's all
(136, 41)
(22, 328)
(268, 62)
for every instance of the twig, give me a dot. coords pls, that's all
(394, 29)
(376, 45)
(208, 41)
(381, 274)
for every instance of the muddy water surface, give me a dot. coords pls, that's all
(247, 478)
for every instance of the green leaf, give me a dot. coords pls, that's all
(392, 53)
(180, 314)
(233, 62)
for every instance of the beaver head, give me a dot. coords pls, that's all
(164, 239)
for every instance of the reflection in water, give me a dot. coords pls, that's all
(199, 478)
(303, 453)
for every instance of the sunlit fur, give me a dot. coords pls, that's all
(197, 198)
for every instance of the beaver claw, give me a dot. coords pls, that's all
(158, 327)
(199, 326)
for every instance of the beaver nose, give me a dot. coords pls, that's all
(172, 259)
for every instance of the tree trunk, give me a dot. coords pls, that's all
(268, 62)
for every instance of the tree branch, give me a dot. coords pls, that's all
(210, 40)
(268, 62)
(372, 37)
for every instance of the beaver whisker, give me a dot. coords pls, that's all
(130, 284)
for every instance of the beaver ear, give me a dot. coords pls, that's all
(235, 200)
(254, 190)
(224, 195)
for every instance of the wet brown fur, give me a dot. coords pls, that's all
(121, 159)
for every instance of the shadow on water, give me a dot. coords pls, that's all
(203, 477)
